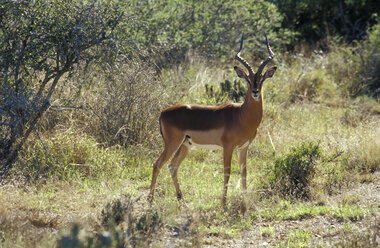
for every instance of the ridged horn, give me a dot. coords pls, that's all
(240, 59)
(271, 56)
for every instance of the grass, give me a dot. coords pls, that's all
(53, 206)
(297, 238)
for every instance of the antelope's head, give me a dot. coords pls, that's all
(255, 80)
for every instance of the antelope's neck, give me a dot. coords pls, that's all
(252, 112)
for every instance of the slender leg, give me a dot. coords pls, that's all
(164, 157)
(242, 154)
(227, 156)
(174, 165)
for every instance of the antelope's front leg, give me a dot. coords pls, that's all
(227, 156)
(242, 154)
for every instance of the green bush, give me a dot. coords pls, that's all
(228, 92)
(293, 172)
(315, 20)
(356, 68)
(171, 28)
(70, 156)
(305, 79)
(372, 66)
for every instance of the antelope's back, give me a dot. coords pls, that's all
(198, 117)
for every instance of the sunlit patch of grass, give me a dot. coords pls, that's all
(347, 226)
(267, 231)
(76, 156)
(223, 231)
(284, 210)
(297, 238)
(348, 212)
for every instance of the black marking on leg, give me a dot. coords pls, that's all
(189, 139)
(179, 196)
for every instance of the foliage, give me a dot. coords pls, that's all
(40, 42)
(171, 28)
(359, 75)
(308, 79)
(344, 72)
(292, 172)
(235, 92)
(371, 64)
(315, 20)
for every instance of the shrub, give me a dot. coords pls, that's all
(372, 66)
(117, 211)
(41, 41)
(292, 172)
(122, 230)
(357, 68)
(227, 92)
(315, 20)
(123, 104)
(307, 86)
(103, 240)
(304, 78)
(70, 156)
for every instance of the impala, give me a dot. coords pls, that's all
(230, 126)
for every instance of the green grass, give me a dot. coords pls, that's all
(297, 238)
(267, 231)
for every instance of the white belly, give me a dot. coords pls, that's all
(207, 146)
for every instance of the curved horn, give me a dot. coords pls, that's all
(240, 59)
(271, 56)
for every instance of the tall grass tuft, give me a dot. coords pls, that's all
(71, 155)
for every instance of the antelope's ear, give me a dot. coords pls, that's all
(240, 72)
(270, 72)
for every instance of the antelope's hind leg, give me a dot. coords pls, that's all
(227, 157)
(174, 165)
(170, 148)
